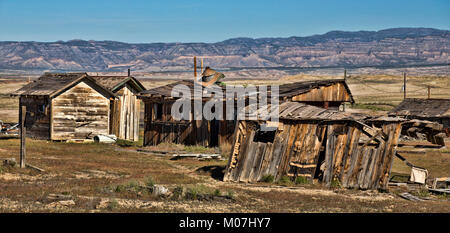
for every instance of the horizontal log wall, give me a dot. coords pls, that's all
(79, 112)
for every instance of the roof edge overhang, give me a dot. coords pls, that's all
(138, 85)
(85, 76)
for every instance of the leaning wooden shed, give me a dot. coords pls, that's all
(64, 106)
(125, 109)
(161, 127)
(435, 110)
(314, 143)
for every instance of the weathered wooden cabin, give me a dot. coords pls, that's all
(314, 143)
(328, 94)
(160, 126)
(125, 109)
(64, 106)
(435, 110)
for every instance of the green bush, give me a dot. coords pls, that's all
(335, 183)
(301, 180)
(149, 181)
(284, 180)
(113, 204)
(267, 179)
(217, 192)
(124, 143)
(178, 191)
(192, 193)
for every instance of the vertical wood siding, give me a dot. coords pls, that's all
(125, 115)
(296, 148)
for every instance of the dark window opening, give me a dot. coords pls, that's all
(264, 136)
(41, 108)
(159, 111)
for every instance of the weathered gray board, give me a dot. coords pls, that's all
(296, 149)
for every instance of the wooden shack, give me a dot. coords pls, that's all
(64, 106)
(160, 126)
(435, 110)
(125, 109)
(314, 143)
(328, 94)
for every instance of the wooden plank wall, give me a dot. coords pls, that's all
(125, 115)
(37, 120)
(192, 132)
(296, 150)
(362, 166)
(332, 93)
(79, 112)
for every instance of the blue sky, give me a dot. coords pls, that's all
(142, 21)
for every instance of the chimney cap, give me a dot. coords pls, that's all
(208, 72)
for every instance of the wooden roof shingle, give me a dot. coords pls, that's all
(114, 83)
(294, 111)
(285, 90)
(51, 84)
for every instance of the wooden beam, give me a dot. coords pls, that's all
(23, 112)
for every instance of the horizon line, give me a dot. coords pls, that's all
(239, 37)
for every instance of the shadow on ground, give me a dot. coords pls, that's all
(216, 172)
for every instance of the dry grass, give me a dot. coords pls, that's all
(91, 173)
(107, 178)
(437, 163)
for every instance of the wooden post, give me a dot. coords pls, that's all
(201, 65)
(129, 72)
(404, 85)
(22, 115)
(345, 80)
(195, 68)
(429, 91)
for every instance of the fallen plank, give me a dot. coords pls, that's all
(199, 156)
(410, 197)
(440, 191)
(34, 167)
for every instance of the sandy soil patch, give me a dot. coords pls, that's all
(89, 174)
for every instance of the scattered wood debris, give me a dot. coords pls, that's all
(199, 156)
(409, 196)
(312, 142)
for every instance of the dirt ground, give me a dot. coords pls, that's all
(106, 178)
